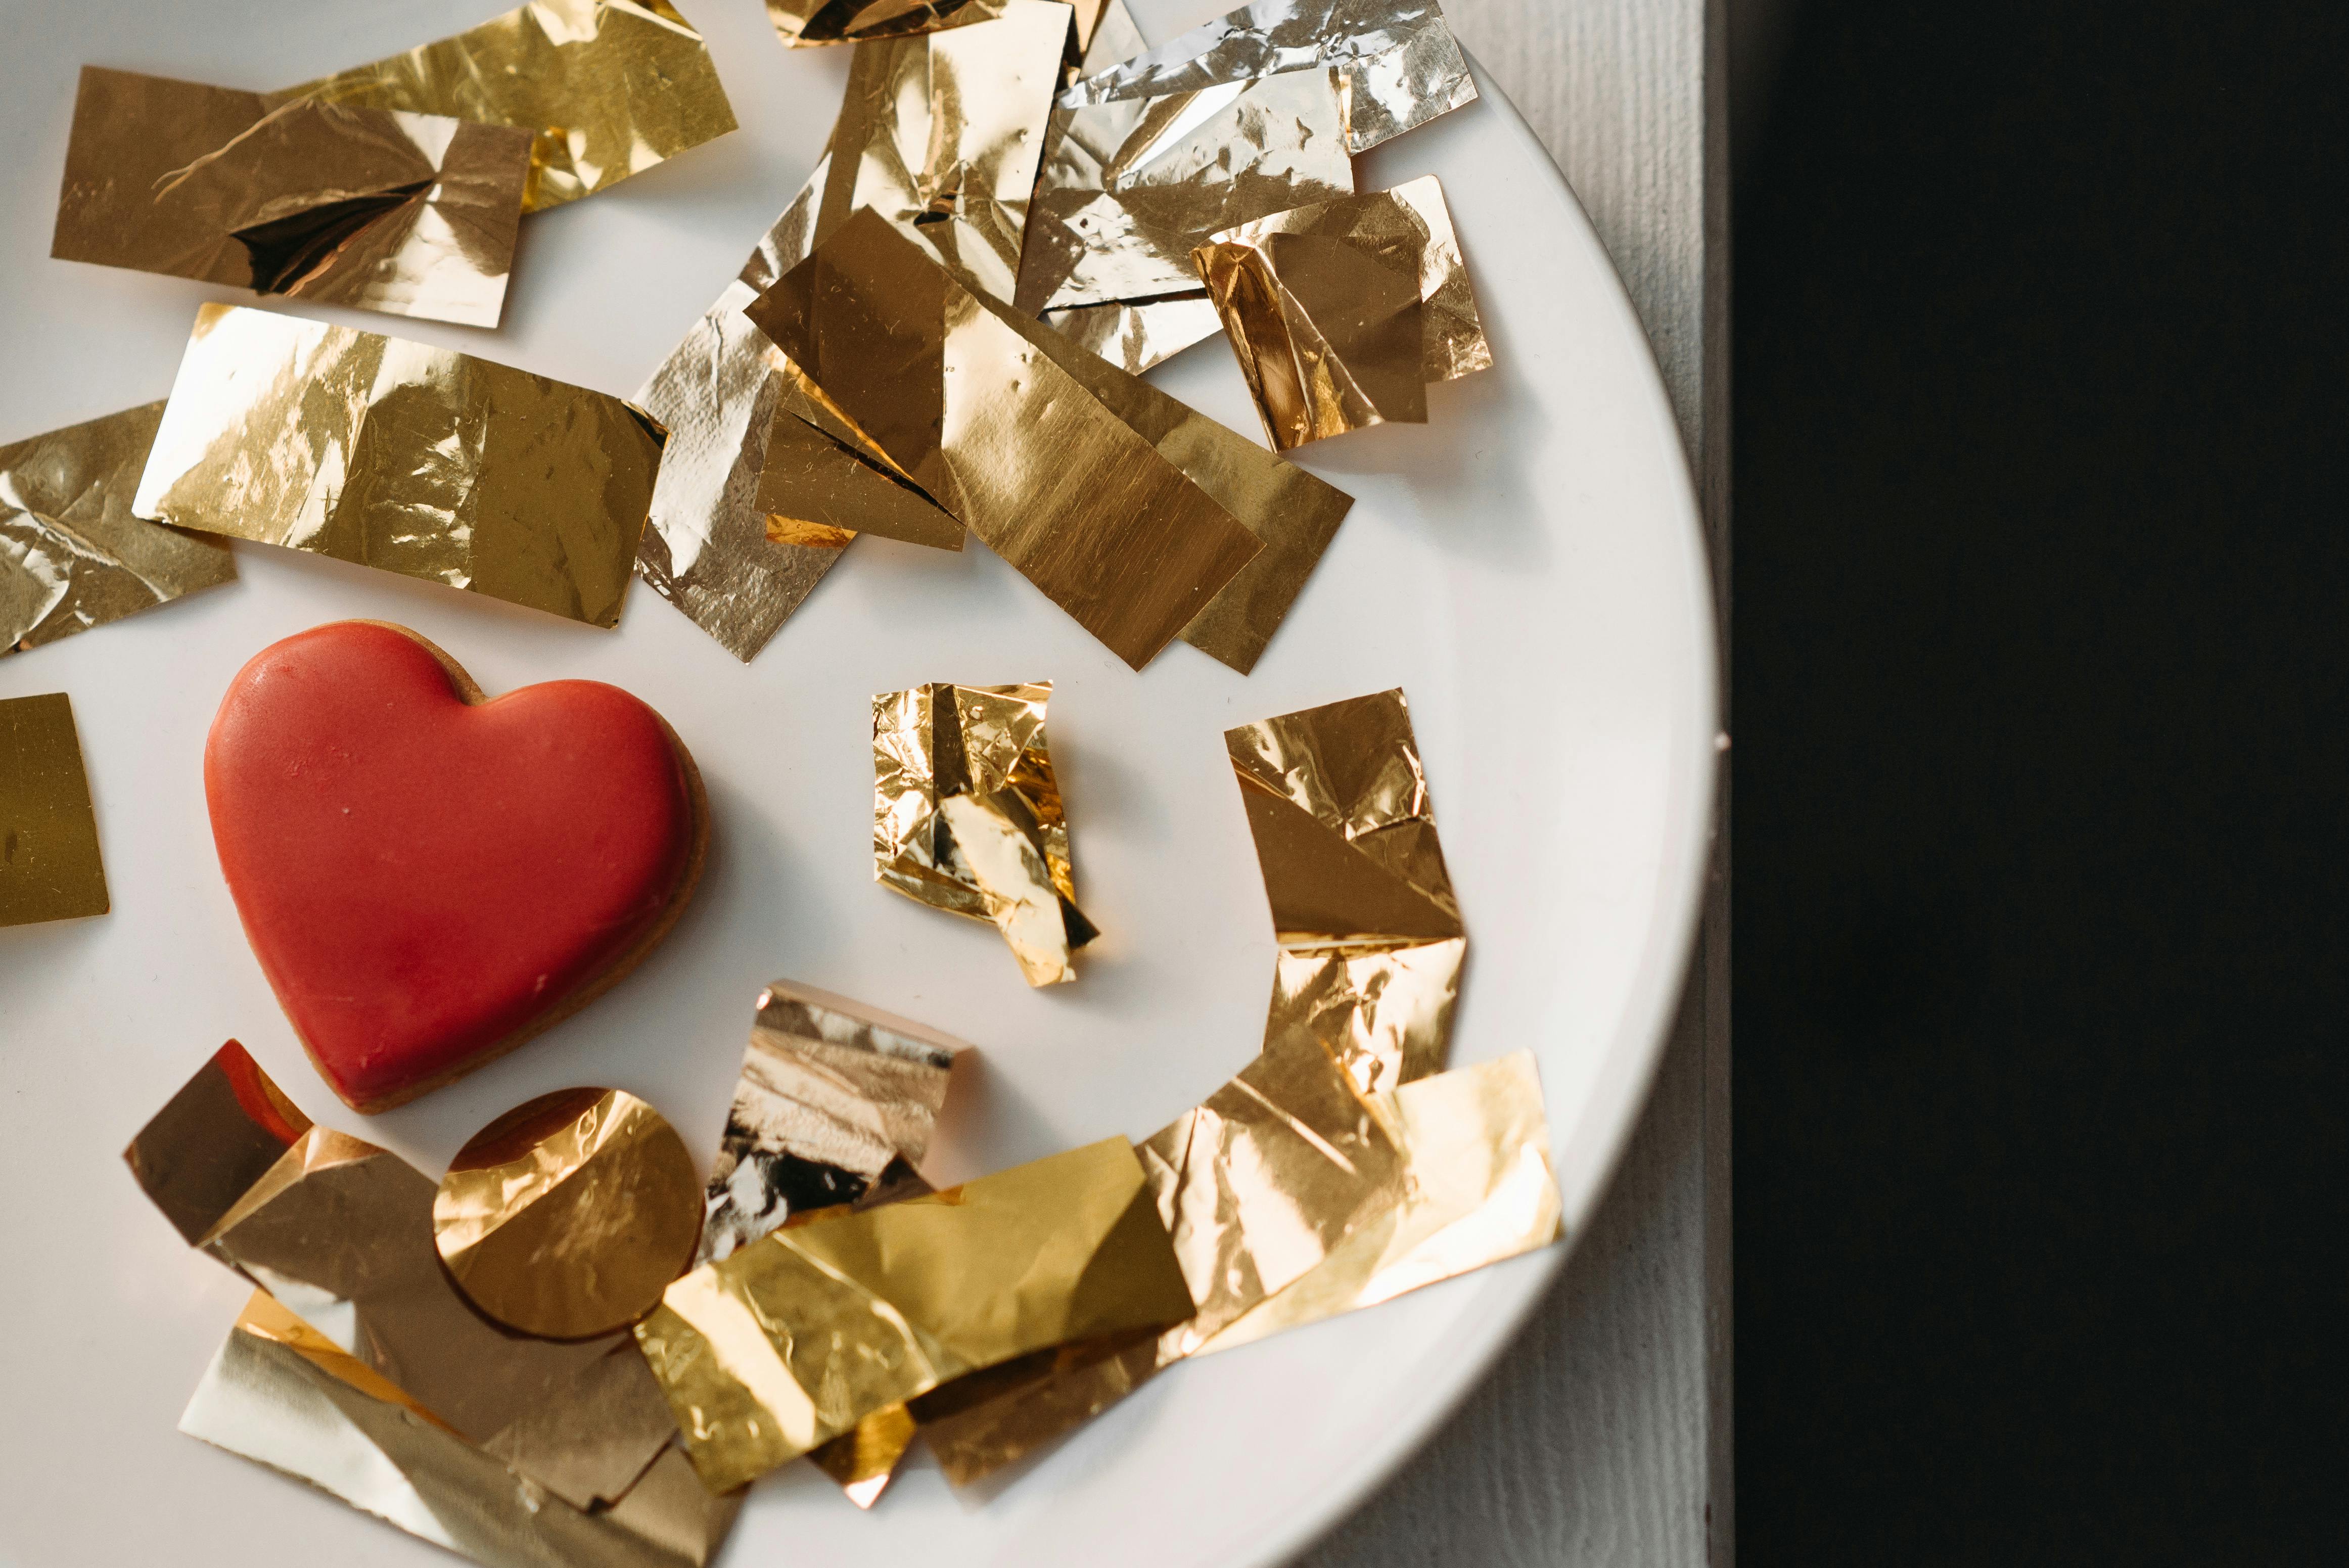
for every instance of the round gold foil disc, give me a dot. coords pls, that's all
(569, 1216)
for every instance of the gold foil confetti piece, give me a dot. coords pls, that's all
(1131, 187)
(1105, 36)
(1370, 938)
(71, 555)
(1134, 335)
(1292, 514)
(411, 213)
(978, 1424)
(804, 23)
(214, 1142)
(609, 88)
(568, 1216)
(1006, 441)
(592, 1439)
(817, 492)
(279, 1393)
(406, 458)
(49, 865)
(1477, 1149)
(832, 1095)
(967, 816)
(1341, 314)
(861, 1459)
(800, 1335)
(1396, 59)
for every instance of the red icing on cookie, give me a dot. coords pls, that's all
(427, 882)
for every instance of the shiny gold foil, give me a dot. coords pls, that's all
(967, 816)
(609, 88)
(801, 24)
(979, 1424)
(411, 213)
(49, 865)
(1106, 35)
(1004, 438)
(280, 1393)
(568, 1216)
(1132, 186)
(1397, 62)
(861, 1459)
(214, 1142)
(71, 555)
(798, 1336)
(1292, 514)
(832, 1095)
(1341, 314)
(1370, 938)
(405, 458)
(815, 491)
(1134, 335)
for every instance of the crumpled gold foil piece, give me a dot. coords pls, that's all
(608, 87)
(71, 555)
(1397, 62)
(411, 213)
(794, 1338)
(836, 1103)
(967, 816)
(1134, 335)
(49, 865)
(485, 1428)
(1133, 186)
(1342, 313)
(803, 24)
(283, 1394)
(1068, 494)
(568, 1216)
(1369, 933)
(404, 457)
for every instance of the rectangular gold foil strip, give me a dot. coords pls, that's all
(71, 555)
(406, 458)
(798, 1335)
(1132, 186)
(805, 24)
(411, 213)
(1342, 313)
(49, 865)
(1048, 477)
(1396, 59)
(967, 816)
(608, 87)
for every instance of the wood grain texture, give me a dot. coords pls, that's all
(1603, 1436)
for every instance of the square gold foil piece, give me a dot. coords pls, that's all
(49, 865)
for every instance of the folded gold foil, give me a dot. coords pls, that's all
(71, 555)
(406, 458)
(797, 1336)
(861, 1459)
(977, 1425)
(608, 87)
(1009, 443)
(1398, 64)
(411, 213)
(1371, 940)
(1134, 335)
(803, 24)
(815, 491)
(50, 866)
(968, 817)
(1341, 314)
(280, 1393)
(568, 1216)
(1132, 186)
(504, 1446)
(833, 1096)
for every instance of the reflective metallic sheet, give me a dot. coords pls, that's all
(1399, 63)
(978, 1424)
(798, 1335)
(814, 489)
(568, 1216)
(1292, 514)
(214, 1142)
(406, 458)
(71, 555)
(1132, 186)
(50, 866)
(1106, 35)
(1342, 313)
(1371, 943)
(967, 816)
(278, 1393)
(1477, 1149)
(1133, 336)
(861, 1459)
(801, 24)
(832, 1094)
(1004, 439)
(411, 213)
(609, 87)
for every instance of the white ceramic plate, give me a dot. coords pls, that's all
(1527, 566)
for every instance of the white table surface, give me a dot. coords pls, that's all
(1603, 1436)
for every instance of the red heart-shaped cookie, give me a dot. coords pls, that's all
(429, 878)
